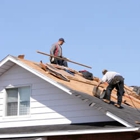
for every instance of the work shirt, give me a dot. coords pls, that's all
(109, 76)
(56, 50)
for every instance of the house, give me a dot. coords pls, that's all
(41, 104)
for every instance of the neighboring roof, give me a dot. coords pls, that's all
(77, 85)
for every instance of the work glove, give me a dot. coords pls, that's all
(52, 59)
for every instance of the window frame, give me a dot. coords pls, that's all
(5, 104)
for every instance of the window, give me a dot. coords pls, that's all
(18, 101)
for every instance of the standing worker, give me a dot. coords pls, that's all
(56, 50)
(114, 80)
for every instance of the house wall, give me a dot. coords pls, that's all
(49, 105)
(104, 136)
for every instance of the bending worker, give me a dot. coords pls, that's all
(114, 80)
(56, 50)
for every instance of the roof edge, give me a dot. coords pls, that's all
(118, 119)
(4, 60)
(44, 77)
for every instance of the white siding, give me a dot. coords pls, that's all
(49, 105)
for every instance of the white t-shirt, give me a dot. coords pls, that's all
(109, 76)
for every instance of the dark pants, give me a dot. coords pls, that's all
(60, 62)
(118, 83)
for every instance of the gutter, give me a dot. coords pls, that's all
(71, 132)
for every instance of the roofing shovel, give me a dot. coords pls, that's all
(98, 92)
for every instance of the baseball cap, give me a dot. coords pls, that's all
(61, 39)
(104, 71)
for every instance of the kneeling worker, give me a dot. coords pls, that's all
(56, 50)
(114, 80)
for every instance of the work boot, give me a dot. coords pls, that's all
(117, 105)
(106, 101)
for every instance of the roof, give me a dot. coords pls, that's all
(127, 115)
(72, 82)
(78, 82)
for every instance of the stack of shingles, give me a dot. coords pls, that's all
(67, 74)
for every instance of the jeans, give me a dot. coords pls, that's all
(60, 62)
(119, 87)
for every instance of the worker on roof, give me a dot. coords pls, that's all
(114, 80)
(56, 50)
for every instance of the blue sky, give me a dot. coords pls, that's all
(98, 33)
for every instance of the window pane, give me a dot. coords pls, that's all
(24, 107)
(12, 109)
(24, 93)
(12, 102)
(12, 95)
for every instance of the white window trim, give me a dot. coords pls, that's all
(5, 102)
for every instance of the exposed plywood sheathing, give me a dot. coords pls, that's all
(79, 83)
